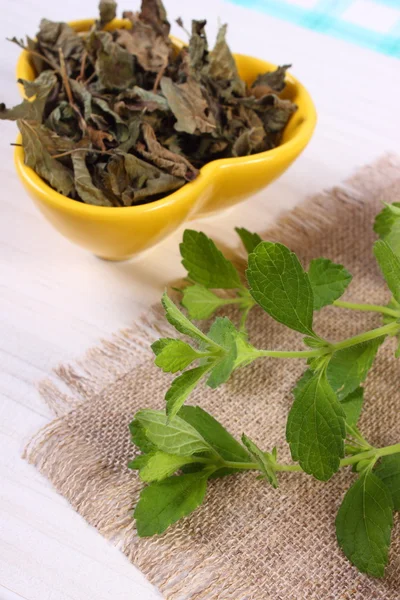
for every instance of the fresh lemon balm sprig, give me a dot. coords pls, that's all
(321, 430)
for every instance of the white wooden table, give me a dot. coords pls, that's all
(56, 300)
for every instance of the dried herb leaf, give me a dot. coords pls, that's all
(31, 110)
(108, 11)
(83, 182)
(189, 106)
(39, 159)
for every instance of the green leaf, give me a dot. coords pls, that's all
(182, 387)
(352, 405)
(180, 322)
(214, 434)
(388, 471)
(393, 237)
(173, 355)
(280, 286)
(364, 523)
(139, 438)
(174, 435)
(249, 240)
(200, 302)
(165, 502)
(316, 426)
(385, 220)
(206, 264)
(349, 367)
(328, 281)
(264, 462)
(389, 264)
(158, 465)
(223, 333)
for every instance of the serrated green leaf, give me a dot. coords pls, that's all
(316, 426)
(352, 405)
(364, 523)
(393, 237)
(280, 286)
(173, 355)
(206, 264)
(388, 471)
(180, 322)
(328, 281)
(349, 367)
(249, 240)
(264, 464)
(174, 435)
(163, 503)
(182, 387)
(385, 220)
(389, 264)
(214, 434)
(158, 465)
(200, 302)
(139, 438)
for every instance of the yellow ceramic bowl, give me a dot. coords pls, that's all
(119, 233)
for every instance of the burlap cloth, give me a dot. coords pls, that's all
(248, 541)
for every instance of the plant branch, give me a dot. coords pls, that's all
(374, 453)
(390, 329)
(368, 308)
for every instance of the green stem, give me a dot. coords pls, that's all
(290, 354)
(391, 328)
(345, 462)
(368, 308)
(243, 318)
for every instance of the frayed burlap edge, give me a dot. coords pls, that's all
(104, 495)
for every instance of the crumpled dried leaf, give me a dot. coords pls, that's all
(82, 96)
(137, 99)
(250, 141)
(146, 181)
(278, 114)
(63, 120)
(272, 81)
(114, 64)
(83, 182)
(108, 11)
(31, 110)
(53, 37)
(133, 135)
(113, 122)
(151, 50)
(169, 161)
(38, 158)
(189, 106)
(223, 66)
(198, 50)
(154, 13)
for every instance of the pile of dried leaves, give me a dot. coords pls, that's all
(122, 117)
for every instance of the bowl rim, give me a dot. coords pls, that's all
(302, 135)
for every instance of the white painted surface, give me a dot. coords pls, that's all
(56, 300)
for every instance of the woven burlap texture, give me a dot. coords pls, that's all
(248, 541)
